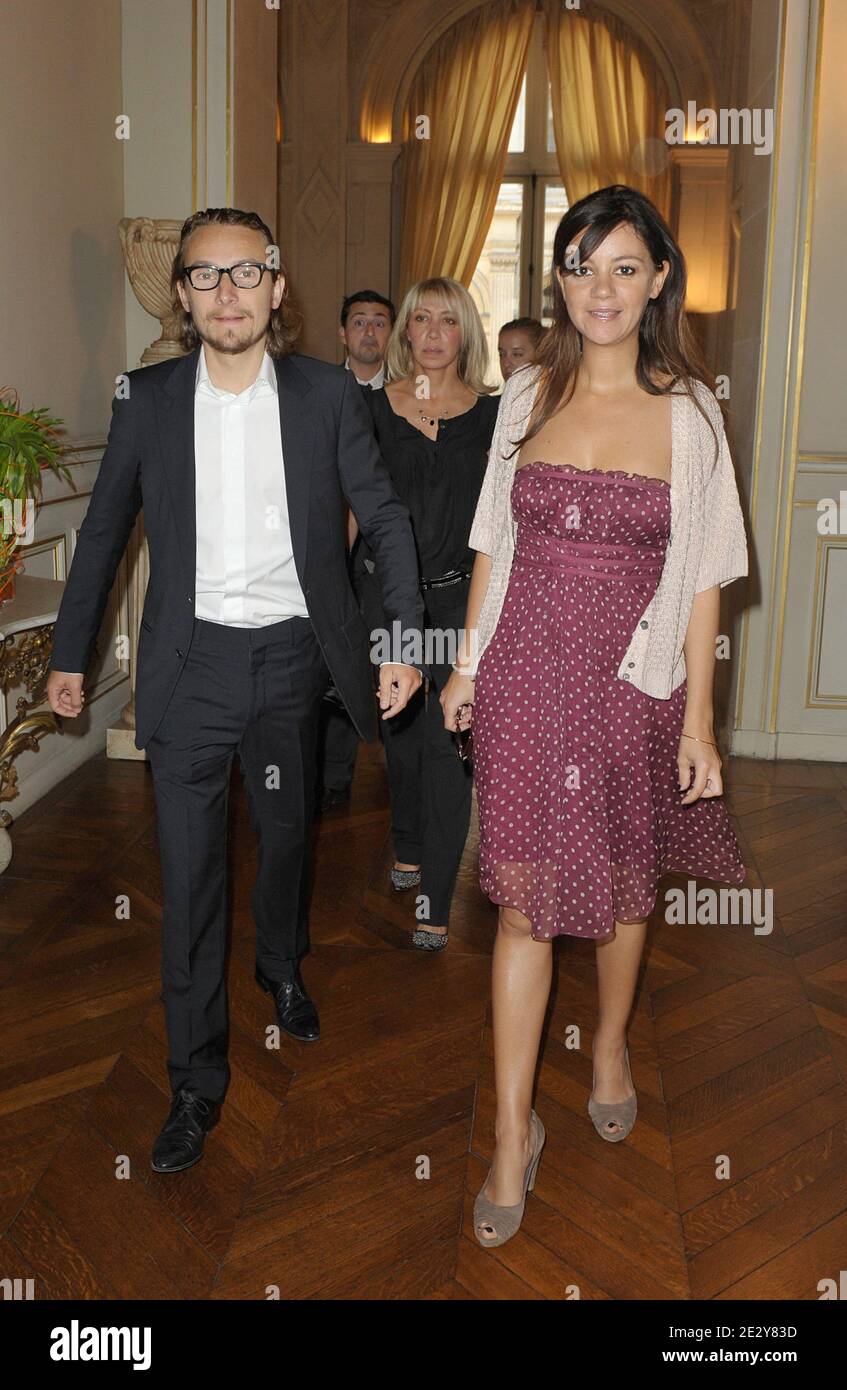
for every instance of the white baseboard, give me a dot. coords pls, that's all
(59, 754)
(817, 748)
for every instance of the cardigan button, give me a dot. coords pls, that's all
(644, 622)
(630, 663)
(625, 676)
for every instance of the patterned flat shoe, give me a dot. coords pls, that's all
(404, 878)
(429, 940)
(621, 1112)
(506, 1220)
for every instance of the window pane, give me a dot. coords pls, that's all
(496, 285)
(555, 206)
(517, 135)
(551, 139)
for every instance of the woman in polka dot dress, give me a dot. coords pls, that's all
(588, 788)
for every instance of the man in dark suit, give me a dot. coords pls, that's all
(241, 453)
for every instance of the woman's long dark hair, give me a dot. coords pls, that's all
(666, 344)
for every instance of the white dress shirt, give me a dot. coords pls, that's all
(376, 382)
(245, 573)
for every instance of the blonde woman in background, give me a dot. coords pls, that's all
(434, 422)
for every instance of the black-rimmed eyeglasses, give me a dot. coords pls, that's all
(245, 275)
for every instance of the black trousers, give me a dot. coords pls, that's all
(430, 788)
(338, 744)
(257, 692)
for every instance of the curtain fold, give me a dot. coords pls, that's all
(468, 86)
(609, 101)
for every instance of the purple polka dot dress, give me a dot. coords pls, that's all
(575, 769)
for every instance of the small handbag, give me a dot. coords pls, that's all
(463, 739)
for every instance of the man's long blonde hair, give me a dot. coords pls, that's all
(286, 321)
(472, 363)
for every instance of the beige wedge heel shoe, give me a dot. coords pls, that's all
(506, 1220)
(621, 1112)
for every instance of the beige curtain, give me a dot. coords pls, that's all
(609, 101)
(468, 86)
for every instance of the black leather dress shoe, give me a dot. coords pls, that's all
(295, 1011)
(180, 1143)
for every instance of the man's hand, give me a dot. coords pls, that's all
(65, 694)
(397, 685)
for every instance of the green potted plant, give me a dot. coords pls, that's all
(28, 443)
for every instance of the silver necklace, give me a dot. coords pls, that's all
(428, 420)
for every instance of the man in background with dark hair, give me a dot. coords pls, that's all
(367, 319)
(242, 453)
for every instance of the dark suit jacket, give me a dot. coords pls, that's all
(329, 453)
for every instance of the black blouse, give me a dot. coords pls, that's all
(439, 480)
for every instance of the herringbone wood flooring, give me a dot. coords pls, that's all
(309, 1183)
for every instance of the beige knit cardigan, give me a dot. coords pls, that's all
(707, 544)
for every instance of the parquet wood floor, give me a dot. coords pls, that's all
(309, 1183)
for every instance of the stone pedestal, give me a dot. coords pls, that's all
(149, 246)
(120, 737)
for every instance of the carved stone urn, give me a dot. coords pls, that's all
(149, 246)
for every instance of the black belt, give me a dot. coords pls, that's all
(452, 577)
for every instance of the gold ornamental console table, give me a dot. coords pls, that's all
(26, 637)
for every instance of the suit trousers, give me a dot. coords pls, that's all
(430, 788)
(257, 692)
(338, 747)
